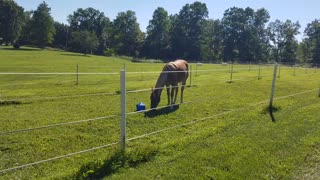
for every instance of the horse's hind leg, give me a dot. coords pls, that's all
(172, 94)
(175, 90)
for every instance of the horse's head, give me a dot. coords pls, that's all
(155, 98)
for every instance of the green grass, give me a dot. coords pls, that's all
(222, 131)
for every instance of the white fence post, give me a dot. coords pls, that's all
(123, 109)
(272, 90)
(190, 74)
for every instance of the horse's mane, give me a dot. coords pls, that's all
(161, 80)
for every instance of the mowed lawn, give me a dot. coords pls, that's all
(222, 131)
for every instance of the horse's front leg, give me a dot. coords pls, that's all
(175, 93)
(168, 94)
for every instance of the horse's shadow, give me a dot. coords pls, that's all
(161, 111)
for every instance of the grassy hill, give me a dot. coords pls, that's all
(222, 131)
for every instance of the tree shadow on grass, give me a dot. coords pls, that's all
(77, 55)
(20, 49)
(161, 111)
(104, 168)
(10, 103)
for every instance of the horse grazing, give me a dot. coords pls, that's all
(172, 74)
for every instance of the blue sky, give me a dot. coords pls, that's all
(304, 11)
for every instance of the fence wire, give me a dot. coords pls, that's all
(128, 113)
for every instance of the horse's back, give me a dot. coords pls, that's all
(181, 66)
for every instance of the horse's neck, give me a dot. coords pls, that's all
(161, 80)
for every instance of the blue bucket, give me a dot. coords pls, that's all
(141, 106)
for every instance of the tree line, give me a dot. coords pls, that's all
(241, 35)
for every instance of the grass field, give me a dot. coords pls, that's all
(222, 131)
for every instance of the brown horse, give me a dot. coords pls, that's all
(172, 74)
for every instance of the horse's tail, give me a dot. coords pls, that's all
(187, 66)
(187, 70)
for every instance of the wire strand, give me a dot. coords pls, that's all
(56, 125)
(141, 136)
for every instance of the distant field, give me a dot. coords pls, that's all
(222, 131)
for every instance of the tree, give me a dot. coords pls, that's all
(11, 18)
(156, 44)
(84, 41)
(26, 28)
(244, 34)
(211, 41)
(304, 52)
(62, 35)
(127, 37)
(186, 30)
(261, 46)
(42, 26)
(282, 37)
(312, 42)
(92, 20)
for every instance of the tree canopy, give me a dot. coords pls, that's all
(42, 28)
(242, 34)
(11, 19)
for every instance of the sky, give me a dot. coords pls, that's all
(304, 11)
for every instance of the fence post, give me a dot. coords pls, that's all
(319, 91)
(294, 70)
(279, 71)
(259, 71)
(123, 109)
(231, 73)
(77, 75)
(190, 75)
(272, 91)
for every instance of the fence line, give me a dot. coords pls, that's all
(133, 138)
(56, 125)
(58, 157)
(61, 97)
(112, 144)
(144, 135)
(114, 73)
(291, 95)
(57, 73)
(107, 93)
(198, 100)
(128, 113)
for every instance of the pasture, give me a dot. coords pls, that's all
(222, 131)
